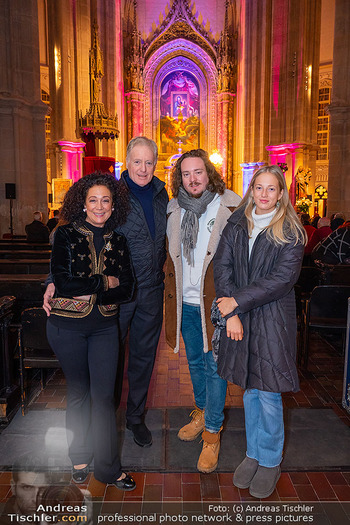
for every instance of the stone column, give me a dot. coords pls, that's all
(225, 134)
(253, 86)
(134, 114)
(110, 33)
(339, 110)
(249, 168)
(134, 79)
(72, 159)
(64, 76)
(227, 85)
(22, 115)
(294, 155)
(295, 37)
(277, 90)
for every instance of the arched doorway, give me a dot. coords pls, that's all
(180, 69)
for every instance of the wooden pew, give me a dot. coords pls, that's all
(24, 246)
(27, 288)
(24, 266)
(7, 237)
(25, 254)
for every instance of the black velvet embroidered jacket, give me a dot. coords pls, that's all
(76, 271)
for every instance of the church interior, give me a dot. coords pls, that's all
(254, 83)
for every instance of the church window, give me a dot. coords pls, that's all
(323, 123)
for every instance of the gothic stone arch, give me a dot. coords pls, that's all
(185, 56)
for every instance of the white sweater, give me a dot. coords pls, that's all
(260, 223)
(192, 274)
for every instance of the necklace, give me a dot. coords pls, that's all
(199, 278)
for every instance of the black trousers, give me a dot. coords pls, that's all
(89, 359)
(143, 317)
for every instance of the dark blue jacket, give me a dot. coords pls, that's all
(147, 254)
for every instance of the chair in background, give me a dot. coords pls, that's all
(310, 276)
(339, 274)
(34, 348)
(326, 308)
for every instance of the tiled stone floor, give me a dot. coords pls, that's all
(321, 386)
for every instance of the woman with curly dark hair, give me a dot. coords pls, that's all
(92, 273)
(74, 201)
(216, 183)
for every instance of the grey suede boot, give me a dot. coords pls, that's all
(245, 472)
(264, 481)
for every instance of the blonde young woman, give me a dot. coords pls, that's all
(256, 265)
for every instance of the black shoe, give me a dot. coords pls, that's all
(126, 483)
(79, 475)
(142, 436)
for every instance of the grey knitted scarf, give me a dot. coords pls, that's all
(189, 226)
(219, 322)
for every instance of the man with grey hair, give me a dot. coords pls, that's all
(37, 231)
(142, 317)
(145, 232)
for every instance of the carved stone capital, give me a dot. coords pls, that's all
(339, 111)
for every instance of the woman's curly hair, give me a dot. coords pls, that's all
(216, 183)
(74, 200)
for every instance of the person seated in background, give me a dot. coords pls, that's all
(315, 220)
(338, 215)
(52, 223)
(323, 230)
(336, 222)
(37, 231)
(305, 221)
(334, 249)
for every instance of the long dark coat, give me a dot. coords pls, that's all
(263, 289)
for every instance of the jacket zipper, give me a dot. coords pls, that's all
(250, 258)
(153, 241)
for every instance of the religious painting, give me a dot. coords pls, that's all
(179, 112)
(179, 104)
(59, 189)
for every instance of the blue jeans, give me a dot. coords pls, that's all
(208, 387)
(264, 426)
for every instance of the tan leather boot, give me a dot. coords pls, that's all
(190, 431)
(208, 460)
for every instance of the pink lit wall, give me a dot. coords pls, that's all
(72, 161)
(279, 36)
(119, 93)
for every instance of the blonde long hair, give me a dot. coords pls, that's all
(285, 225)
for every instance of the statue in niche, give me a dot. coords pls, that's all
(179, 109)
